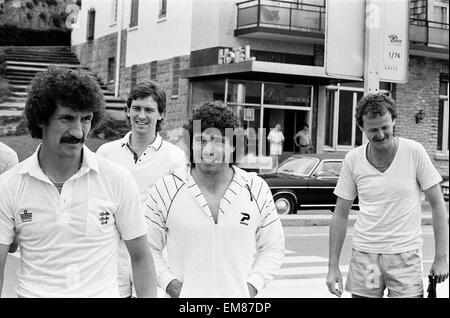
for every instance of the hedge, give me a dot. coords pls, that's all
(11, 35)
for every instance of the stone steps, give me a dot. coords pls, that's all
(23, 63)
(11, 64)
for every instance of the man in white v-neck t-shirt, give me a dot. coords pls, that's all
(388, 175)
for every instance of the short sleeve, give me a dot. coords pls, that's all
(346, 185)
(130, 217)
(8, 160)
(6, 215)
(427, 175)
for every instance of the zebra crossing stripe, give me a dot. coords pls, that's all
(304, 259)
(307, 270)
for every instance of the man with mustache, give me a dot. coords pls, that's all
(388, 175)
(67, 206)
(219, 223)
(145, 154)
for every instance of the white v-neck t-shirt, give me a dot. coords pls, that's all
(389, 219)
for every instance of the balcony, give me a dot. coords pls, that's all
(281, 20)
(428, 38)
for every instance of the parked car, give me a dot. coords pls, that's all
(444, 186)
(306, 182)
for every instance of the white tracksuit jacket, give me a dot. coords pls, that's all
(214, 260)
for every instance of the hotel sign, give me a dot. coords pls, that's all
(235, 55)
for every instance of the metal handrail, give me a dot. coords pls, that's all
(282, 1)
(427, 22)
(289, 22)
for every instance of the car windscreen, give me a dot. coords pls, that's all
(300, 166)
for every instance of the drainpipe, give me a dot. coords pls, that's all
(119, 45)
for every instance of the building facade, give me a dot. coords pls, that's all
(266, 59)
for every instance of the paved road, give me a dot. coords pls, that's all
(305, 267)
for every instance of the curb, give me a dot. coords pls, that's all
(325, 220)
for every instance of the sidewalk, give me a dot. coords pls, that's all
(323, 217)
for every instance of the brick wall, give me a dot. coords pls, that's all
(176, 111)
(422, 92)
(95, 55)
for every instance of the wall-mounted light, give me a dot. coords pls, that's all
(419, 116)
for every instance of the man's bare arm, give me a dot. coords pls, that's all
(144, 276)
(3, 255)
(439, 268)
(338, 230)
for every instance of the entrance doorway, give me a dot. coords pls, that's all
(291, 122)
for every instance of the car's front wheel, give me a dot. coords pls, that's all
(285, 204)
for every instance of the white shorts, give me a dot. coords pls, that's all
(370, 273)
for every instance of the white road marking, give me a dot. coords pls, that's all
(307, 270)
(304, 259)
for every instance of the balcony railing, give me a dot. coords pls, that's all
(294, 16)
(429, 33)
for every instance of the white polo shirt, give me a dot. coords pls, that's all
(8, 158)
(389, 219)
(159, 159)
(214, 260)
(68, 240)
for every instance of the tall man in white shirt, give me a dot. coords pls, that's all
(67, 206)
(387, 174)
(219, 224)
(144, 153)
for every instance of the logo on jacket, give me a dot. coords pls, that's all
(26, 216)
(103, 217)
(245, 218)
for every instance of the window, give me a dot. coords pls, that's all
(341, 131)
(175, 76)
(114, 8)
(329, 169)
(443, 140)
(418, 10)
(440, 13)
(162, 9)
(133, 79)
(91, 25)
(153, 70)
(134, 13)
(111, 69)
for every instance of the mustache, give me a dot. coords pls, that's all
(72, 140)
(377, 139)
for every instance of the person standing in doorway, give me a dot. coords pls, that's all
(303, 140)
(276, 140)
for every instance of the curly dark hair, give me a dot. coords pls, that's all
(69, 88)
(146, 89)
(214, 114)
(377, 104)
